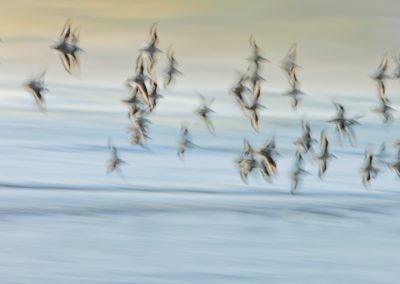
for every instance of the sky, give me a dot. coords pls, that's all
(339, 43)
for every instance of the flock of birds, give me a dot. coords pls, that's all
(144, 98)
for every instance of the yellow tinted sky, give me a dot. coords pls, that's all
(339, 44)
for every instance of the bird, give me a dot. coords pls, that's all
(384, 108)
(247, 148)
(37, 87)
(246, 163)
(269, 148)
(294, 92)
(171, 71)
(203, 112)
(344, 125)
(240, 89)
(381, 156)
(133, 103)
(252, 112)
(380, 75)
(396, 72)
(256, 56)
(324, 155)
(139, 79)
(395, 165)
(289, 63)
(151, 48)
(251, 109)
(254, 77)
(368, 171)
(140, 127)
(68, 47)
(185, 141)
(267, 161)
(297, 172)
(114, 162)
(305, 142)
(154, 96)
(397, 146)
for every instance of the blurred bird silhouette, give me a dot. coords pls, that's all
(171, 71)
(239, 89)
(139, 128)
(297, 172)
(151, 49)
(267, 161)
(368, 171)
(324, 156)
(68, 47)
(294, 92)
(185, 142)
(203, 112)
(289, 63)
(344, 125)
(395, 165)
(246, 163)
(138, 81)
(380, 74)
(256, 55)
(114, 162)
(37, 87)
(396, 72)
(384, 109)
(154, 96)
(304, 143)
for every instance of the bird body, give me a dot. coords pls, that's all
(368, 171)
(37, 87)
(67, 46)
(114, 162)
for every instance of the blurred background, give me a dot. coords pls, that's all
(64, 220)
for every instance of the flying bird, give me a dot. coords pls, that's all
(297, 172)
(267, 162)
(368, 171)
(294, 92)
(67, 46)
(185, 141)
(256, 55)
(396, 72)
(246, 162)
(114, 162)
(171, 71)
(138, 81)
(37, 87)
(324, 155)
(344, 126)
(252, 109)
(246, 165)
(239, 89)
(289, 62)
(151, 48)
(203, 112)
(305, 142)
(154, 96)
(380, 74)
(395, 165)
(139, 128)
(384, 109)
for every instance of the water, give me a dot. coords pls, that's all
(64, 220)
